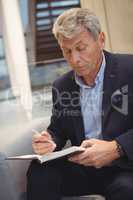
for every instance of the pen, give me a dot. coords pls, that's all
(35, 131)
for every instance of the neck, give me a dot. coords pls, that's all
(90, 78)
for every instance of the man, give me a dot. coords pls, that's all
(92, 107)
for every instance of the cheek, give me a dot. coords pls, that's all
(94, 55)
(91, 54)
(88, 57)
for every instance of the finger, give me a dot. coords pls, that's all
(84, 162)
(45, 139)
(86, 155)
(86, 143)
(36, 138)
(44, 144)
(36, 135)
(39, 138)
(45, 133)
(43, 149)
(78, 157)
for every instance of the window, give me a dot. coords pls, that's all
(1, 49)
(46, 12)
(4, 78)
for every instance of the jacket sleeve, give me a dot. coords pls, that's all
(55, 127)
(126, 141)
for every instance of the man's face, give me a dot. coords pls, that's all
(83, 52)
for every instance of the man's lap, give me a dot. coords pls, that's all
(76, 179)
(120, 186)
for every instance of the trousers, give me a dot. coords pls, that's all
(59, 178)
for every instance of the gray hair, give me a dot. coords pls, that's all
(70, 22)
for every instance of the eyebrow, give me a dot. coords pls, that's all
(78, 43)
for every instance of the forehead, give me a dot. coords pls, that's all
(82, 37)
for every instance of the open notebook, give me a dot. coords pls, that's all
(49, 156)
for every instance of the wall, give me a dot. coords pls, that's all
(116, 17)
(0, 25)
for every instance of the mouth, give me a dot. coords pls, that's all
(83, 68)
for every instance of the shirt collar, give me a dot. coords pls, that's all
(99, 77)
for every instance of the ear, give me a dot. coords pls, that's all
(101, 40)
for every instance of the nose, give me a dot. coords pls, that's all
(75, 57)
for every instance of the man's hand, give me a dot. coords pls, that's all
(42, 143)
(98, 153)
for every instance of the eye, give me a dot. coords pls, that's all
(82, 47)
(66, 51)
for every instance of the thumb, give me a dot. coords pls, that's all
(86, 143)
(47, 134)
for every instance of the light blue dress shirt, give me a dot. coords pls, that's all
(91, 104)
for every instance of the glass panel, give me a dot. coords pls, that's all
(43, 14)
(64, 3)
(42, 5)
(4, 76)
(41, 80)
(1, 48)
(44, 27)
(58, 11)
(45, 74)
(3, 68)
(43, 22)
(24, 13)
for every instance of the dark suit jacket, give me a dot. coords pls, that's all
(67, 122)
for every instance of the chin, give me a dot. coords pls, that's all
(83, 73)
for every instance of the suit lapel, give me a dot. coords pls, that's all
(109, 86)
(76, 109)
